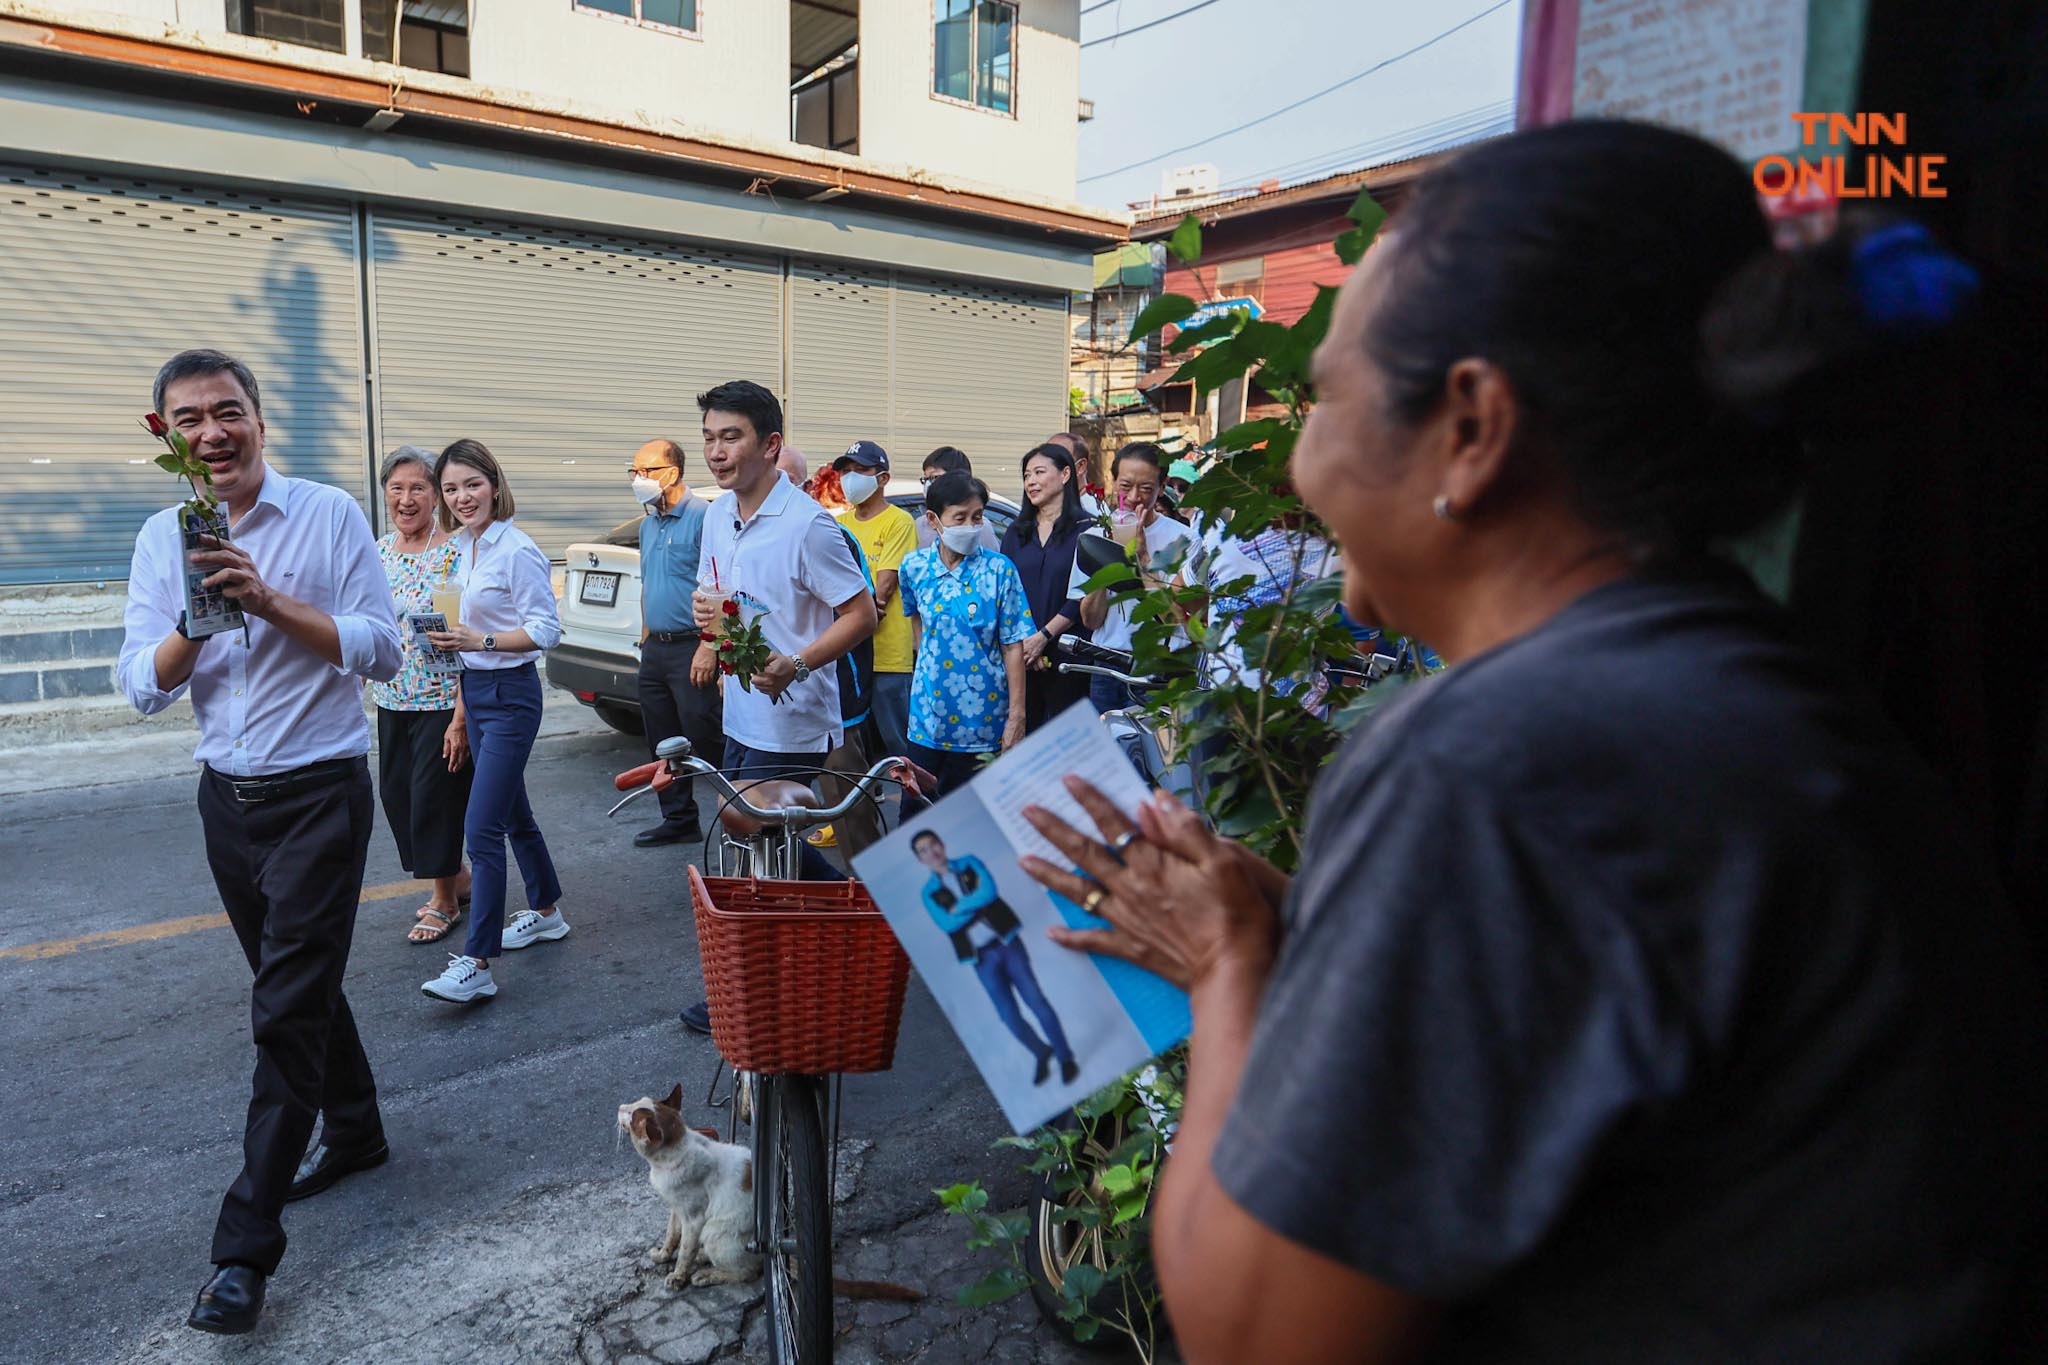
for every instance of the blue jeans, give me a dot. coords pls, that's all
(1005, 972)
(741, 762)
(502, 706)
(1108, 694)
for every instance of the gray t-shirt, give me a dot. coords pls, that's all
(1641, 1001)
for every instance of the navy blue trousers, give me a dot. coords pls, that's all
(503, 710)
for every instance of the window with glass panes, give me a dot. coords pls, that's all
(676, 14)
(974, 52)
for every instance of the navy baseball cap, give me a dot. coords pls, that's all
(865, 454)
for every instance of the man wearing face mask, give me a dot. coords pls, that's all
(887, 535)
(670, 703)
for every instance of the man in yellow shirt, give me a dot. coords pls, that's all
(886, 534)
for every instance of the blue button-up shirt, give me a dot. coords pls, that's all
(269, 704)
(959, 693)
(670, 541)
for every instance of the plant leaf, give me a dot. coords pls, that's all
(1215, 329)
(1081, 1283)
(1163, 311)
(170, 464)
(995, 1287)
(1186, 241)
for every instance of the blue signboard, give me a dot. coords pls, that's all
(1210, 311)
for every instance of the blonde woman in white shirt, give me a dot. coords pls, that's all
(508, 618)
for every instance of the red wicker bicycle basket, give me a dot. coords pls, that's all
(802, 976)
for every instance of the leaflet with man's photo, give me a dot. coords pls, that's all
(432, 660)
(1047, 1026)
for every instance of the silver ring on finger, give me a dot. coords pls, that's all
(1122, 842)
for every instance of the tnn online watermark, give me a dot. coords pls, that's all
(1842, 175)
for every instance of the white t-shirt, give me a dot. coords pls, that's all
(1275, 560)
(1167, 542)
(791, 565)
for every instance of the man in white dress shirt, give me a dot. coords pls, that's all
(788, 564)
(284, 791)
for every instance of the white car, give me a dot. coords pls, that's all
(598, 660)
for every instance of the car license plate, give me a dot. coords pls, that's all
(599, 589)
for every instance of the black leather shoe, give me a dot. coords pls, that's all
(697, 1017)
(230, 1303)
(668, 834)
(1044, 1065)
(1068, 1070)
(324, 1165)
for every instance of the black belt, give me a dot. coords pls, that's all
(673, 637)
(276, 786)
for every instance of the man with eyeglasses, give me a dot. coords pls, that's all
(670, 703)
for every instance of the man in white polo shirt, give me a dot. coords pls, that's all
(781, 556)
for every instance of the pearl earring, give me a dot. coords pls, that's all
(1442, 507)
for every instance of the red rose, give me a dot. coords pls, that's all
(731, 607)
(156, 426)
(726, 669)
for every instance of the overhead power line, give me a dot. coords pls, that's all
(1306, 99)
(1481, 121)
(1162, 19)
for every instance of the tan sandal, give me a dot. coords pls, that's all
(436, 924)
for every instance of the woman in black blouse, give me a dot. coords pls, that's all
(1041, 544)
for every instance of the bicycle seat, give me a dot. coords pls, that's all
(771, 793)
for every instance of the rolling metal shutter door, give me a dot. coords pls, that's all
(560, 350)
(978, 366)
(839, 363)
(103, 278)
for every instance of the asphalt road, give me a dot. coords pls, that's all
(127, 1066)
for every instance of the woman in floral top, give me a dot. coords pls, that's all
(423, 768)
(971, 618)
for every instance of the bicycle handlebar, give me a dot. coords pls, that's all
(678, 762)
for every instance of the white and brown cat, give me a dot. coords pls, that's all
(708, 1187)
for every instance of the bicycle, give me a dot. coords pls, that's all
(754, 942)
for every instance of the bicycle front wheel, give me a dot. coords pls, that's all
(799, 1248)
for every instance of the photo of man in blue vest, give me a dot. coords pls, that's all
(961, 898)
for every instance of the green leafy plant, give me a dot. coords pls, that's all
(1262, 681)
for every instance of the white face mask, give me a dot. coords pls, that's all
(960, 539)
(646, 489)
(858, 487)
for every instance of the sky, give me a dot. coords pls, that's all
(1235, 60)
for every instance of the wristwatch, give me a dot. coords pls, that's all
(184, 632)
(803, 670)
(490, 643)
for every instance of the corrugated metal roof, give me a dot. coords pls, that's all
(820, 30)
(447, 13)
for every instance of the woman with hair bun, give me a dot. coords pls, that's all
(1641, 996)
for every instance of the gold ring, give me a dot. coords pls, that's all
(1095, 898)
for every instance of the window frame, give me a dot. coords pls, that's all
(634, 20)
(973, 64)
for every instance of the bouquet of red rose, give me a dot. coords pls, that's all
(741, 649)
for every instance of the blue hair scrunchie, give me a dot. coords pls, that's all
(1906, 282)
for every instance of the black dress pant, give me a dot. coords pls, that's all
(290, 873)
(671, 705)
(424, 803)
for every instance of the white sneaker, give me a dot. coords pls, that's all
(529, 926)
(465, 980)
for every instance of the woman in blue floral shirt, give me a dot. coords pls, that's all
(968, 608)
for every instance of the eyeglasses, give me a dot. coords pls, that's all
(647, 471)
